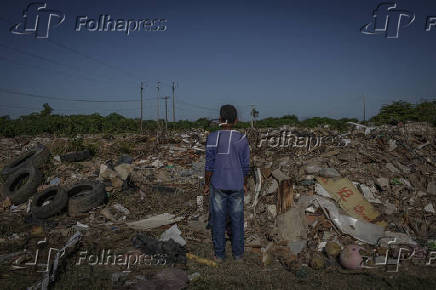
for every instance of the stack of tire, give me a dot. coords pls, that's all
(23, 176)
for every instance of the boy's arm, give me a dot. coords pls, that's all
(207, 177)
(245, 161)
(210, 166)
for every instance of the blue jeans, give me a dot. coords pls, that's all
(227, 203)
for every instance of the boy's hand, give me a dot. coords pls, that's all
(206, 190)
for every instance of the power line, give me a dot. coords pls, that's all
(19, 107)
(74, 51)
(51, 61)
(197, 106)
(15, 49)
(69, 100)
(39, 68)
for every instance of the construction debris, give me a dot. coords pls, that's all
(154, 222)
(307, 204)
(174, 234)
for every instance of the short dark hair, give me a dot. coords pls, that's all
(228, 113)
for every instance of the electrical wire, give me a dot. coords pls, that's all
(72, 98)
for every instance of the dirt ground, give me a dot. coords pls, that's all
(167, 179)
(249, 274)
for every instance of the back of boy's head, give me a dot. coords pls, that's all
(228, 114)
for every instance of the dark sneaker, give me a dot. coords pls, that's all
(238, 258)
(218, 260)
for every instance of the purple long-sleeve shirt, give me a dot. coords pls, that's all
(228, 157)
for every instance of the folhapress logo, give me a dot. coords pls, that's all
(388, 20)
(38, 20)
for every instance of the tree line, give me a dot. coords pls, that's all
(47, 122)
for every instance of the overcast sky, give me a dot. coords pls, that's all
(306, 58)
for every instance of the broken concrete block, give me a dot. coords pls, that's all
(329, 173)
(273, 187)
(392, 145)
(421, 193)
(106, 172)
(404, 169)
(431, 188)
(389, 208)
(163, 176)
(429, 208)
(279, 175)
(382, 182)
(157, 163)
(392, 168)
(266, 172)
(272, 209)
(121, 208)
(117, 182)
(124, 170)
(297, 246)
(312, 169)
(292, 224)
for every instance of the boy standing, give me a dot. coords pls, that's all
(227, 166)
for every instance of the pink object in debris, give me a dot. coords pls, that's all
(350, 257)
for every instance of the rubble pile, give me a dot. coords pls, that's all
(367, 186)
(316, 197)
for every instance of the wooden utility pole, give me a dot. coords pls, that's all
(364, 109)
(166, 111)
(142, 88)
(157, 98)
(174, 106)
(253, 115)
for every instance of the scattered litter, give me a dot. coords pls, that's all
(200, 199)
(154, 222)
(173, 233)
(194, 276)
(369, 193)
(169, 251)
(429, 208)
(329, 173)
(350, 257)
(121, 208)
(349, 198)
(55, 181)
(201, 260)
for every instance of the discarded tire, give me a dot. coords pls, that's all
(21, 184)
(76, 156)
(36, 158)
(84, 196)
(49, 202)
